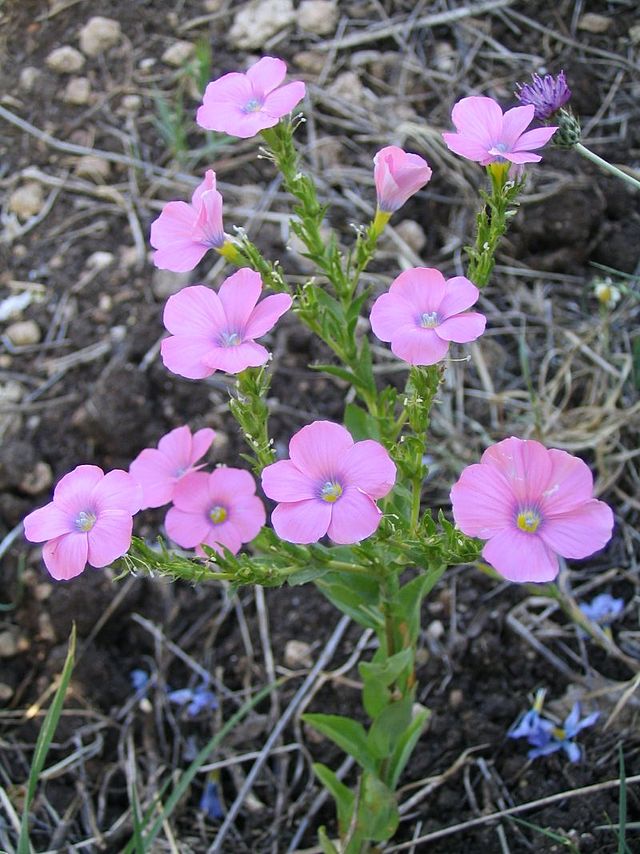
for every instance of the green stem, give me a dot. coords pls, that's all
(604, 164)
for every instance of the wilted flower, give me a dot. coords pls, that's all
(531, 504)
(89, 520)
(486, 135)
(217, 509)
(329, 485)
(244, 104)
(158, 470)
(215, 331)
(398, 175)
(546, 94)
(422, 313)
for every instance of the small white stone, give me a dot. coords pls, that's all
(98, 35)
(634, 34)
(178, 53)
(310, 61)
(297, 654)
(77, 91)
(258, 21)
(347, 86)
(164, 283)
(412, 234)
(27, 201)
(23, 333)
(6, 692)
(435, 629)
(444, 56)
(29, 76)
(100, 260)
(593, 23)
(8, 643)
(318, 16)
(213, 6)
(65, 60)
(131, 103)
(38, 479)
(95, 168)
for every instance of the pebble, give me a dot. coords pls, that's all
(213, 5)
(412, 234)
(444, 57)
(435, 629)
(27, 200)
(46, 632)
(77, 92)
(100, 260)
(318, 16)
(297, 654)
(594, 23)
(634, 34)
(65, 60)
(98, 35)
(38, 480)
(23, 333)
(456, 698)
(348, 87)
(8, 643)
(164, 283)
(309, 61)
(6, 692)
(96, 168)
(178, 53)
(131, 103)
(258, 21)
(29, 77)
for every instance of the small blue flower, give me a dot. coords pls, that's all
(139, 679)
(209, 802)
(603, 609)
(562, 738)
(199, 699)
(547, 94)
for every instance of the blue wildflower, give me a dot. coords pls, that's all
(199, 699)
(209, 802)
(562, 737)
(139, 679)
(547, 94)
(603, 609)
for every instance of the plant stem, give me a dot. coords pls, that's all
(604, 164)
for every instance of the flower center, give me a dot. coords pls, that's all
(331, 491)
(528, 520)
(230, 339)
(429, 319)
(559, 733)
(85, 520)
(252, 106)
(218, 515)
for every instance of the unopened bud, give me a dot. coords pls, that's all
(569, 132)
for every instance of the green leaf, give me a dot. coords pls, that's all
(411, 595)
(406, 744)
(303, 576)
(355, 596)
(325, 843)
(45, 737)
(342, 795)
(378, 815)
(347, 734)
(388, 670)
(359, 423)
(335, 371)
(388, 727)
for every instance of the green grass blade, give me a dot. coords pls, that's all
(45, 737)
(546, 832)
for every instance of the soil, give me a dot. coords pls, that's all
(92, 389)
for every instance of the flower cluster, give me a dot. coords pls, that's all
(546, 737)
(546, 94)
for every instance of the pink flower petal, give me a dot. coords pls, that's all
(521, 157)
(223, 99)
(195, 311)
(462, 328)
(223, 534)
(201, 441)
(156, 475)
(580, 532)
(109, 538)
(73, 492)
(355, 516)
(266, 74)
(478, 117)
(422, 287)
(367, 466)
(302, 521)
(389, 313)
(176, 447)
(179, 258)
(174, 225)
(283, 100)
(238, 294)
(525, 463)
(570, 484)
(209, 183)
(398, 175)
(237, 358)
(191, 494)
(185, 356)
(419, 346)
(483, 502)
(228, 485)
(514, 123)
(318, 450)
(186, 529)
(46, 523)
(209, 229)
(265, 315)
(465, 147)
(117, 491)
(65, 557)
(283, 481)
(535, 138)
(247, 518)
(459, 295)
(520, 556)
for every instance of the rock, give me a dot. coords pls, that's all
(164, 283)
(297, 654)
(6, 692)
(309, 61)
(23, 333)
(213, 6)
(412, 234)
(347, 87)
(38, 479)
(634, 35)
(98, 35)
(593, 23)
(65, 60)
(444, 57)
(258, 21)
(8, 643)
(456, 698)
(77, 92)
(95, 168)
(27, 200)
(100, 260)
(29, 77)
(131, 103)
(318, 16)
(178, 53)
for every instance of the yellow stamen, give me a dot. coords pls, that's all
(331, 491)
(528, 520)
(217, 515)
(229, 251)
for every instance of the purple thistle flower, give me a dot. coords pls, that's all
(547, 94)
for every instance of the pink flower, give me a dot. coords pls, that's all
(88, 521)
(214, 331)
(422, 313)
(398, 176)
(486, 135)
(217, 509)
(328, 486)
(158, 470)
(244, 104)
(531, 504)
(184, 233)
